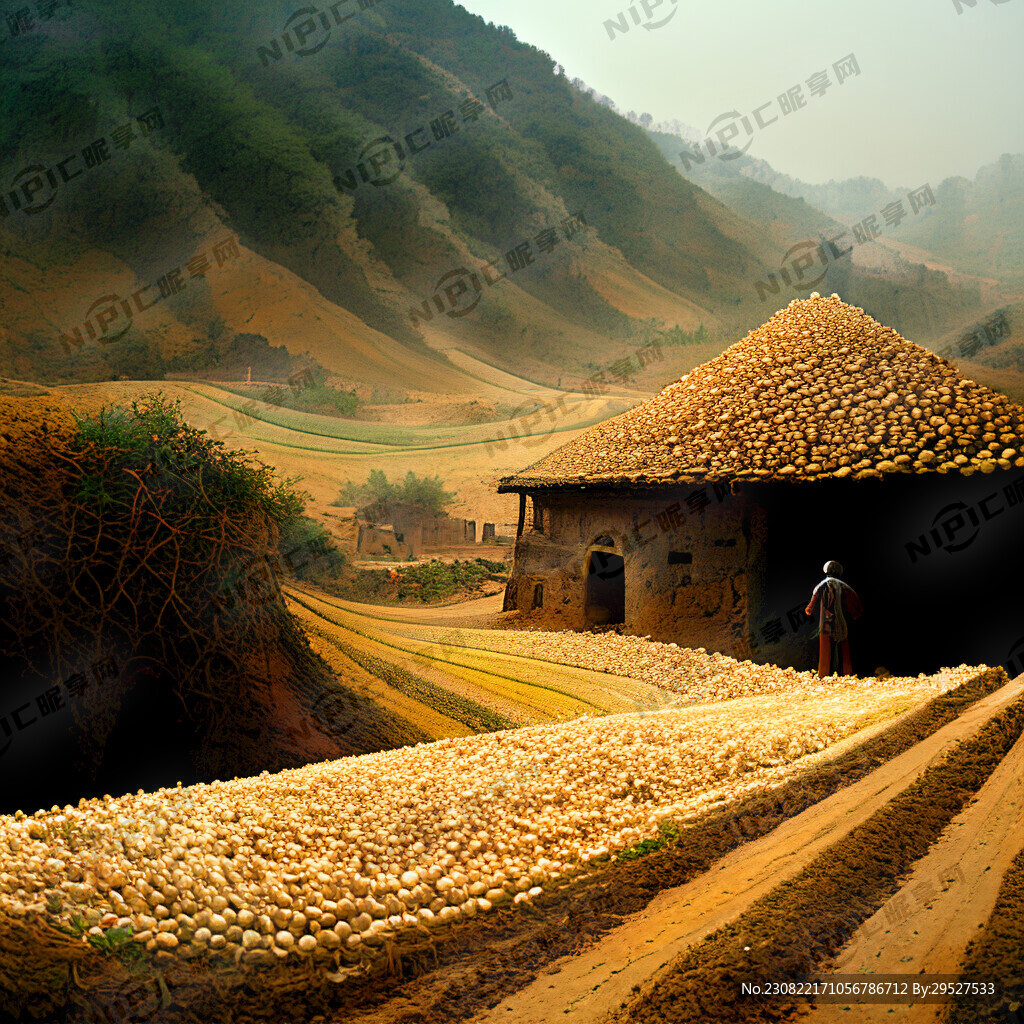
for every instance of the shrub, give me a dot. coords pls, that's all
(425, 494)
(154, 550)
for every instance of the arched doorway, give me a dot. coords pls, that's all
(605, 595)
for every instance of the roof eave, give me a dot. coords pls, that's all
(520, 483)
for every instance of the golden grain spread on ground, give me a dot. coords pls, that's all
(694, 674)
(330, 860)
(820, 389)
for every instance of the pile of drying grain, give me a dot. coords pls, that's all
(695, 674)
(820, 389)
(329, 861)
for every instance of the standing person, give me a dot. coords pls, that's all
(835, 600)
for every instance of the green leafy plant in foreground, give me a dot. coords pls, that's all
(667, 832)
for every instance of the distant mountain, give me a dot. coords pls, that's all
(978, 226)
(404, 182)
(848, 201)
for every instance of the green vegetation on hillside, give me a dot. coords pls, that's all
(157, 554)
(424, 494)
(261, 145)
(978, 226)
(430, 582)
(256, 148)
(318, 398)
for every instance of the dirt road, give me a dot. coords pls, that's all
(587, 987)
(925, 927)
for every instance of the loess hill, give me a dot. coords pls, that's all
(137, 590)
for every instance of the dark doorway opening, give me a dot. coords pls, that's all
(606, 588)
(933, 557)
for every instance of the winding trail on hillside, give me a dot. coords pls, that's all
(587, 987)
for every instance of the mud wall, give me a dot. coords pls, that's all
(685, 571)
(434, 532)
(441, 532)
(343, 527)
(378, 541)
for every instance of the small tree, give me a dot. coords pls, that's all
(424, 493)
(378, 491)
(427, 493)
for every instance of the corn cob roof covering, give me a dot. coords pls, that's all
(820, 390)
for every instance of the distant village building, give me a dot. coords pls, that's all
(703, 516)
(401, 532)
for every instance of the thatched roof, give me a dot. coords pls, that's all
(820, 390)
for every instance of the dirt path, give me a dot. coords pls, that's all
(927, 924)
(586, 987)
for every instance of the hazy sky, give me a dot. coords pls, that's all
(940, 92)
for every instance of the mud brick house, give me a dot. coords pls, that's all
(704, 515)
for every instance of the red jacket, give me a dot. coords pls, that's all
(828, 622)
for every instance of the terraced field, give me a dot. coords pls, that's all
(638, 827)
(823, 870)
(895, 853)
(453, 681)
(326, 450)
(605, 830)
(775, 797)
